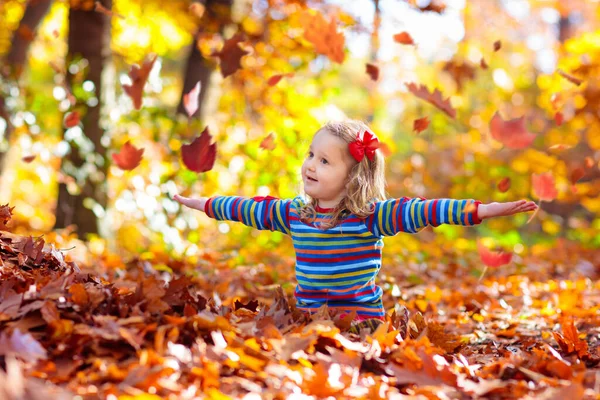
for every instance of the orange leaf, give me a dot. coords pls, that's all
(231, 55)
(434, 98)
(504, 185)
(493, 259)
(569, 77)
(72, 119)
(512, 133)
(497, 45)
(403, 38)
(200, 155)
(268, 143)
(373, 71)
(419, 125)
(555, 100)
(274, 80)
(28, 159)
(190, 100)
(78, 293)
(385, 149)
(559, 118)
(324, 36)
(129, 157)
(543, 186)
(139, 76)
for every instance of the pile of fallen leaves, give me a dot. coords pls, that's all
(92, 331)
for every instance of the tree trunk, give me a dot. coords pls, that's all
(88, 39)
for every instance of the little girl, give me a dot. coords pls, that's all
(338, 232)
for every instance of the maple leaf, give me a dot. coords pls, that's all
(231, 55)
(512, 133)
(5, 215)
(72, 119)
(129, 157)
(543, 186)
(268, 143)
(200, 155)
(493, 259)
(139, 76)
(497, 45)
(190, 100)
(460, 72)
(434, 98)
(569, 77)
(504, 185)
(403, 38)
(420, 124)
(323, 35)
(274, 80)
(372, 71)
(569, 341)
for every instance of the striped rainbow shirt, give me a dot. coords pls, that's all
(338, 266)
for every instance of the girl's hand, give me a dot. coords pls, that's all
(505, 209)
(197, 204)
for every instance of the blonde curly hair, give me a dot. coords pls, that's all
(366, 181)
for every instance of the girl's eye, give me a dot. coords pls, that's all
(324, 161)
(310, 154)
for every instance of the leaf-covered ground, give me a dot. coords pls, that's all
(109, 330)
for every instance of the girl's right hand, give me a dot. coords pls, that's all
(197, 204)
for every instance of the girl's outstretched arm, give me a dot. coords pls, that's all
(258, 212)
(505, 209)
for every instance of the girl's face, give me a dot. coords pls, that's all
(326, 168)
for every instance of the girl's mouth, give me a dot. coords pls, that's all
(311, 179)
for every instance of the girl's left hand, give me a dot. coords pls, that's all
(504, 209)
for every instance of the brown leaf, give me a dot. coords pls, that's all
(372, 71)
(28, 159)
(139, 76)
(497, 45)
(403, 38)
(504, 184)
(420, 124)
(190, 100)
(199, 156)
(268, 143)
(231, 55)
(22, 345)
(512, 133)
(436, 335)
(483, 64)
(129, 157)
(323, 35)
(569, 77)
(461, 72)
(434, 98)
(577, 174)
(26, 33)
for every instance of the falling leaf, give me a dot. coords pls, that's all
(403, 38)
(72, 119)
(577, 174)
(559, 118)
(559, 147)
(28, 159)
(434, 98)
(385, 149)
(274, 80)
(373, 71)
(569, 77)
(139, 76)
(197, 9)
(460, 71)
(199, 156)
(268, 143)
(103, 10)
(588, 162)
(497, 45)
(512, 133)
(231, 55)
(544, 187)
(483, 64)
(324, 36)
(493, 259)
(129, 157)
(190, 100)
(555, 100)
(420, 124)
(504, 185)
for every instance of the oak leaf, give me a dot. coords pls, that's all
(139, 76)
(190, 100)
(129, 157)
(434, 98)
(231, 55)
(199, 156)
(512, 133)
(324, 36)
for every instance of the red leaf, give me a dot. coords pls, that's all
(231, 55)
(577, 174)
(493, 259)
(129, 157)
(559, 118)
(483, 64)
(139, 76)
(72, 119)
(419, 125)
(190, 100)
(497, 45)
(373, 71)
(569, 77)
(268, 143)
(200, 155)
(504, 185)
(274, 80)
(403, 38)
(512, 133)
(28, 159)
(434, 98)
(543, 186)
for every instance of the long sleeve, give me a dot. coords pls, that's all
(257, 212)
(413, 214)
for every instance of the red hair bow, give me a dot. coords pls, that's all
(367, 145)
